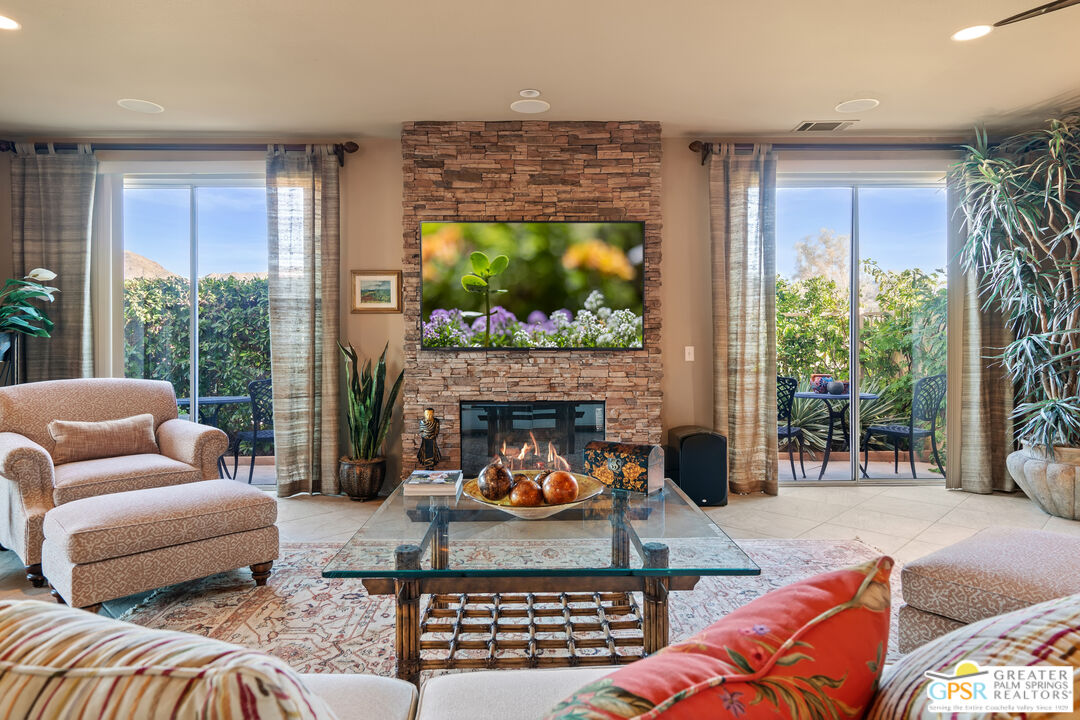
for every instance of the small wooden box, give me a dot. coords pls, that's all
(626, 466)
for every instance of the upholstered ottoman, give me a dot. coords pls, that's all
(992, 572)
(105, 547)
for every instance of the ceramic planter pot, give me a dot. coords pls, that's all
(361, 479)
(1054, 484)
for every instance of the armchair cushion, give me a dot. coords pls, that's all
(108, 438)
(193, 444)
(87, 478)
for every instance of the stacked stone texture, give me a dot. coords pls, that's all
(531, 171)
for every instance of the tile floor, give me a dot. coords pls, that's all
(906, 522)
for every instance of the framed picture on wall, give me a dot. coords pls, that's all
(376, 291)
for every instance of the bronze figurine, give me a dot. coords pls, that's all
(428, 454)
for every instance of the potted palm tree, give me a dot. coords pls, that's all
(362, 471)
(18, 314)
(1021, 200)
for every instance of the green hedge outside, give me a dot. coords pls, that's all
(234, 336)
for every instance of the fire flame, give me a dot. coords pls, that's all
(528, 456)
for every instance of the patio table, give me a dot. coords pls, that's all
(835, 413)
(213, 405)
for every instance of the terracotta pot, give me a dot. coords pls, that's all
(361, 479)
(1053, 484)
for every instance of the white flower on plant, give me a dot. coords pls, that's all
(595, 301)
(40, 275)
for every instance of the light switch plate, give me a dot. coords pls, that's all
(689, 351)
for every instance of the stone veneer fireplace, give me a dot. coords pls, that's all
(522, 171)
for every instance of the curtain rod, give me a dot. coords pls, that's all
(707, 148)
(339, 148)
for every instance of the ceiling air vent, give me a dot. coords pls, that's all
(830, 126)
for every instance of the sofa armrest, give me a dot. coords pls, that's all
(192, 443)
(26, 494)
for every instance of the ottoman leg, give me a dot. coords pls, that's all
(58, 597)
(92, 609)
(260, 572)
(33, 574)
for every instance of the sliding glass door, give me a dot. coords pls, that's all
(196, 310)
(863, 260)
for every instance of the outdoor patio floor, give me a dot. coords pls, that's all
(839, 470)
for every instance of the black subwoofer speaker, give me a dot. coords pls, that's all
(697, 462)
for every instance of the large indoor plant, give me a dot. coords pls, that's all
(18, 313)
(1021, 200)
(362, 472)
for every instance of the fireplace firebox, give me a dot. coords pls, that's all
(545, 434)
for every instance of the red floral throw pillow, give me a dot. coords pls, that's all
(812, 649)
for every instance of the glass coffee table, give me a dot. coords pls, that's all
(504, 592)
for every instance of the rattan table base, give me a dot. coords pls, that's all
(527, 630)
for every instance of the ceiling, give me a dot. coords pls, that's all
(321, 68)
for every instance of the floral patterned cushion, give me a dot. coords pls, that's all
(814, 648)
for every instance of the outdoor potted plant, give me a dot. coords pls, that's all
(18, 314)
(361, 473)
(1021, 200)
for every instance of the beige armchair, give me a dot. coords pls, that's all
(31, 484)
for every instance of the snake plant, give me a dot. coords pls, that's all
(369, 417)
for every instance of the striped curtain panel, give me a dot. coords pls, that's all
(304, 239)
(980, 393)
(742, 220)
(52, 196)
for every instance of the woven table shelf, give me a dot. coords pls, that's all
(519, 630)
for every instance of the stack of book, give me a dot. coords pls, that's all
(433, 482)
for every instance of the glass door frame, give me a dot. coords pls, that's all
(853, 181)
(192, 183)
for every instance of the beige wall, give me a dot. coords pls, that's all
(371, 240)
(687, 289)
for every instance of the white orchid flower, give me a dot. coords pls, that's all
(40, 275)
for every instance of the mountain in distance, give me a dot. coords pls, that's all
(137, 266)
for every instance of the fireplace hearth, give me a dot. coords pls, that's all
(545, 434)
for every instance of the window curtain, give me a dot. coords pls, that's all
(52, 195)
(980, 393)
(742, 219)
(303, 235)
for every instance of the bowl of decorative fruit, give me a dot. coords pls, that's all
(531, 494)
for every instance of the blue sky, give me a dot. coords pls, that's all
(232, 228)
(898, 227)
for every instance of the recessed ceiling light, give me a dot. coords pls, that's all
(529, 93)
(7, 23)
(970, 33)
(140, 106)
(530, 106)
(857, 105)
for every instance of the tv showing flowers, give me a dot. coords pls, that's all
(532, 285)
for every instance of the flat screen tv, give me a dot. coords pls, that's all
(572, 285)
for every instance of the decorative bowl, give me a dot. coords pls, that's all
(588, 487)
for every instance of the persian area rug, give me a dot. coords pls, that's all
(320, 625)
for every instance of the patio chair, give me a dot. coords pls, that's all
(785, 399)
(262, 421)
(925, 406)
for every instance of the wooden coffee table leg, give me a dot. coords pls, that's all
(407, 617)
(654, 614)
